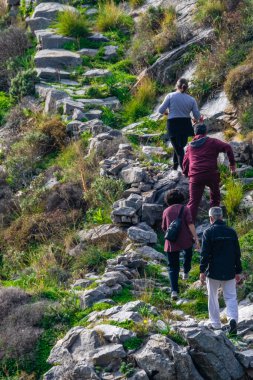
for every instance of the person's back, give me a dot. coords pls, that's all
(220, 243)
(180, 105)
(203, 153)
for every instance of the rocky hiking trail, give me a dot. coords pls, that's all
(131, 329)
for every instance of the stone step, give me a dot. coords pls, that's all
(50, 10)
(88, 52)
(50, 74)
(49, 39)
(98, 37)
(97, 73)
(57, 59)
(38, 23)
(111, 102)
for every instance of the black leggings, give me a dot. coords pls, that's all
(174, 266)
(178, 143)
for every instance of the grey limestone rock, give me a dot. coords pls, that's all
(94, 73)
(88, 52)
(110, 52)
(98, 37)
(151, 213)
(133, 174)
(106, 354)
(104, 233)
(50, 10)
(50, 74)
(57, 58)
(142, 233)
(114, 334)
(51, 100)
(48, 39)
(245, 358)
(38, 23)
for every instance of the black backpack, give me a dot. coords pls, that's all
(174, 228)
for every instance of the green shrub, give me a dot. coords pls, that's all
(71, 24)
(239, 82)
(156, 32)
(23, 84)
(103, 192)
(92, 258)
(5, 105)
(124, 296)
(141, 102)
(98, 216)
(210, 11)
(132, 343)
(112, 16)
(233, 196)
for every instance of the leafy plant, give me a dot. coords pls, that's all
(233, 196)
(112, 16)
(127, 369)
(142, 101)
(23, 84)
(124, 296)
(98, 216)
(72, 24)
(132, 343)
(5, 105)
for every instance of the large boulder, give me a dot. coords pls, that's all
(151, 213)
(58, 59)
(133, 174)
(142, 233)
(162, 359)
(38, 23)
(51, 100)
(106, 233)
(48, 39)
(213, 354)
(50, 10)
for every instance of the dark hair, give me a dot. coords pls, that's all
(174, 197)
(200, 129)
(182, 84)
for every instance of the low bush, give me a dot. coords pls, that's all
(142, 101)
(23, 84)
(239, 82)
(55, 129)
(71, 24)
(13, 43)
(156, 31)
(24, 156)
(112, 16)
(104, 191)
(210, 12)
(5, 105)
(233, 196)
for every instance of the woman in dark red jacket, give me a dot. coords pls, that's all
(187, 237)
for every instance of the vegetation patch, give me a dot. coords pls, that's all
(71, 24)
(112, 16)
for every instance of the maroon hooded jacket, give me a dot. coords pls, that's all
(202, 154)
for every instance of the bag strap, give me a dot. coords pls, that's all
(181, 213)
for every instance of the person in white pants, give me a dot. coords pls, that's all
(220, 266)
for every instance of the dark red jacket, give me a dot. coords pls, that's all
(202, 154)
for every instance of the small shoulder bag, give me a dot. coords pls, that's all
(174, 228)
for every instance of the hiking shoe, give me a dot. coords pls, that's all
(174, 295)
(212, 327)
(185, 276)
(232, 327)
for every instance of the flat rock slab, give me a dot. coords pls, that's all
(50, 10)
(52, 75)
(58, 59)
(111, 51)
(95, 73)
(88, 52)
(98, 37)
(48, 39)
(38, 23)
(111, 102)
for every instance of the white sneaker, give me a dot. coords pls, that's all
(174, 295)
(185, 276)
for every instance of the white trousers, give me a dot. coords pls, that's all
(230, 298)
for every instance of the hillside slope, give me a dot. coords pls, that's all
(85, 165)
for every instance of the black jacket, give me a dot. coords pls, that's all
(220, 253)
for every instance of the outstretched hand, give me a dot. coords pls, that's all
(202, 278)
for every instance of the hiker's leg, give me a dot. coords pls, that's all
(196, 189)
(187, 259)
(174, 142)
(230, 298)
(214, 186)
(183, 139)
(213, 304)
(173, 267)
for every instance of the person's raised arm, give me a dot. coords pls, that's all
(164, 222)
(165, 105)
(194, 234)
(226, 148)
(195, 111)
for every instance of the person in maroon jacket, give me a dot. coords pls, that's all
(187, 237)
(200, 165)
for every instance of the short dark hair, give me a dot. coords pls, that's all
(174, 197)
